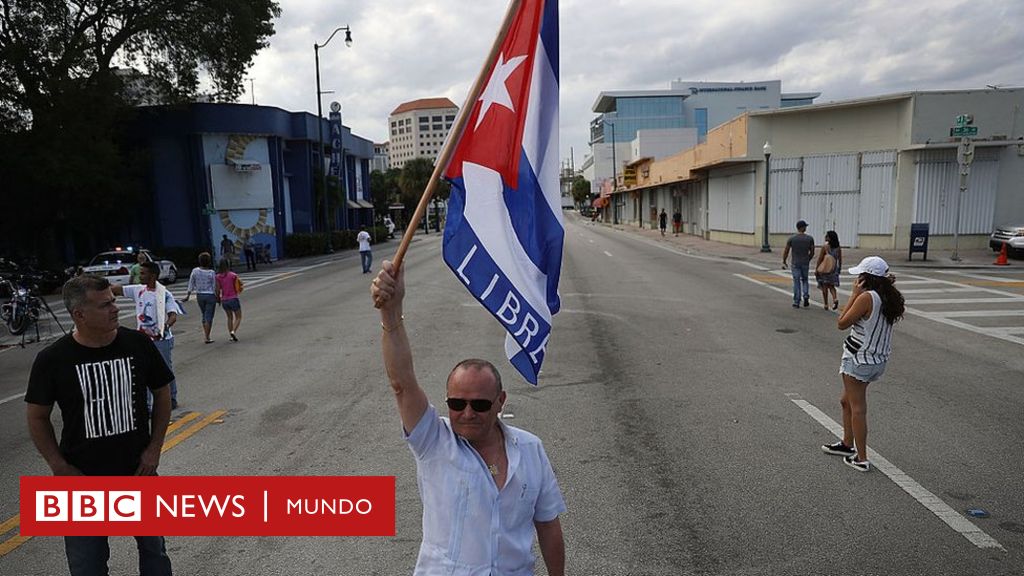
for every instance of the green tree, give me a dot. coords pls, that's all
(412, 182)
(580, 190)
(384, 189)
(64, 106)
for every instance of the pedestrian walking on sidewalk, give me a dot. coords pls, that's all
(677, 222)
(227, 248)
(94, 373)
(250, 253)
(662, 221)
(227, 288)
(874, 306)
(365, 254)
(486, 487)
(827, 267)
(802, 246)
(203, 281)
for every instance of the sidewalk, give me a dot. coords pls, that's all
(969, 259)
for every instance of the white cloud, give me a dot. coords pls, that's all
(408, 49)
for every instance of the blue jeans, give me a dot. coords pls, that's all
(367, 259)
(88, 555)
(165, 347)
(800, 281)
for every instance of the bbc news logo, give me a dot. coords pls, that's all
(89, 506)
(208, 505)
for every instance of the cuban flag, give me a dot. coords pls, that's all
(503, 236)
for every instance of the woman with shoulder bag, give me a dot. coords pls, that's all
(875, 305)
(826, 270)
(229, 285)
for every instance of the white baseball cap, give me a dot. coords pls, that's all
(871, 265)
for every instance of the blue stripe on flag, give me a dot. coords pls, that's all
(474, 267)
(538, 230)
(549, 33)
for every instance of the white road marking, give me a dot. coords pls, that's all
(926, 498)
(979, 276)
(1005, 334)
(10, 398)
(977, 313)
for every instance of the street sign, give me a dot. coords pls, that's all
(964, 131)
(964, 119)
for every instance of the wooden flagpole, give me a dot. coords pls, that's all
(455, 134)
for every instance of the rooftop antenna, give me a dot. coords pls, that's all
(252, 91)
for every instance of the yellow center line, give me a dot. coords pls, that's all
(187, 432)
(9, 524)
(181, 422)
(12, 543)
(13, 522)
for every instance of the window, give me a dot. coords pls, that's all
(700, 119)
(450, 118)
(436, 119)
(436, 126)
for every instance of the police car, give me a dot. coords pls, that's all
(114, 265)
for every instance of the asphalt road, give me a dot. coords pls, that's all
(682, 404)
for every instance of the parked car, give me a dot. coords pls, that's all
(1010, 234)
(115, 264)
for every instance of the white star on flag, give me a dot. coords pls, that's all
(496, 92)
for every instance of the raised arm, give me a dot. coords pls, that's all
(388, 291)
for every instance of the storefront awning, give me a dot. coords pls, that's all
(352, 205)
(364, 204)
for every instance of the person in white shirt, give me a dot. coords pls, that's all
(365, 255)
(486, 487)
(202, 281)
(155, 312)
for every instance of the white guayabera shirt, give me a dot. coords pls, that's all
(469, 527)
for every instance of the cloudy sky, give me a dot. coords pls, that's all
(408, 49)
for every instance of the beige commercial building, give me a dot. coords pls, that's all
(866, 168)
(418, 129)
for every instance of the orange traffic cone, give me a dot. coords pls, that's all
(1001, 260)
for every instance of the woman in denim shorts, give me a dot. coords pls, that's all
(873, 307)
(202, 281)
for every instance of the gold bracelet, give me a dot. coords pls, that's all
(393, 328)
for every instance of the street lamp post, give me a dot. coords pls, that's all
(320, 126)
(767, 176)
(615, 179)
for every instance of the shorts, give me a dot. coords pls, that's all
(232, 305)
(866, 373)
(207, 305)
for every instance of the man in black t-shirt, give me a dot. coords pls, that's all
(98, 376)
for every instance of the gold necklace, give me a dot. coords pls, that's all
(493, 469)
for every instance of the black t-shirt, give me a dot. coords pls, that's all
(102, 398)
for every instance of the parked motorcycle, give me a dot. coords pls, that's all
(22, 310)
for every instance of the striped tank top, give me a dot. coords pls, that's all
(870, 339)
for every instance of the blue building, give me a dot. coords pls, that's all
(245, 172)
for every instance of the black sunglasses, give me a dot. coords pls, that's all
(459, 404)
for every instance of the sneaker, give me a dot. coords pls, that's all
(807, 302)
(861, 465)
(839, 449)
(233, 337)
(795, 305)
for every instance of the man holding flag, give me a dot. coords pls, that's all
(487, 487)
